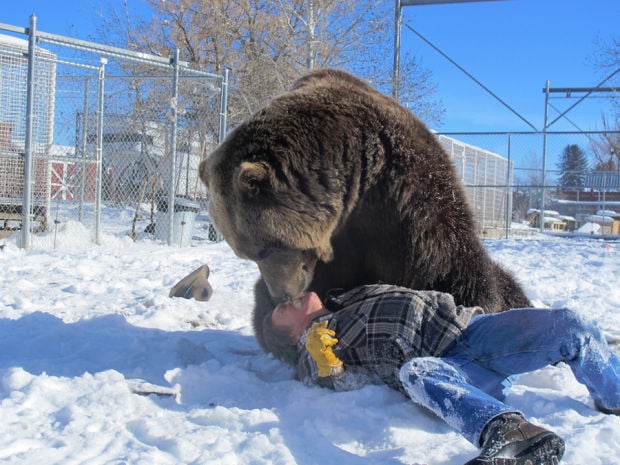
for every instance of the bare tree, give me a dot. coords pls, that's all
(606, 148)
(268, 45)
(607, 57)
(607, 60)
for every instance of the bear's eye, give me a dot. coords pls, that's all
(271, 248)
(263, 254)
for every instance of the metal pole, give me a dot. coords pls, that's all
(173, 146)
(544, 160)
(398, 19)
(223, 107)
(311, 36)
(28, 178)
(508, 188)
(99, 149)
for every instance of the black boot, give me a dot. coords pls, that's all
(509, 439)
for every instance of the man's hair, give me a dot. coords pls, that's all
(278, 341)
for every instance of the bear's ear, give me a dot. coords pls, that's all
(253, 178)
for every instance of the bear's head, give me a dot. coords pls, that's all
(272, 199)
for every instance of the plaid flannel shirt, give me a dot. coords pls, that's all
(379, 328)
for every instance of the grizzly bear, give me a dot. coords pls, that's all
(333, 185)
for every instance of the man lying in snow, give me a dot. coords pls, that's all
(454, 360)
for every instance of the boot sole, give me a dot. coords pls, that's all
(545, 449)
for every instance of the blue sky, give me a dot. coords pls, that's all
(513, 47)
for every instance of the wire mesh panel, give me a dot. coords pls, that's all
(73, 162)
(486, 176)
(13, 95)
(138, 131)
(114, 132)
(511, 177)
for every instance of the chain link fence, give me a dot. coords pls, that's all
(487, 176)
(109, 138)
(14, 69)
(511, 177)
(90, 132)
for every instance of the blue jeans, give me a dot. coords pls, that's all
(465, 386)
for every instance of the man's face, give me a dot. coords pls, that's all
(296, 314)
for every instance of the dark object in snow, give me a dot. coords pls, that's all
(194, 286)
(510, 438)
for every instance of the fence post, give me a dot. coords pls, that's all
(223, 107)
(28, 178)
(99, 149)
(544, 160)
(508, 187)
(173, 145)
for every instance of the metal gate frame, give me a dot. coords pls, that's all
(172, 64)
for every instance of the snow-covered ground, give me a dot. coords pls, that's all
(82, 327)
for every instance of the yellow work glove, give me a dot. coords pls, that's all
(319, 342)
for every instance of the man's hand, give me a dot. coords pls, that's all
(319, 344)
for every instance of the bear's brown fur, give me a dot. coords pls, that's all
(333, 185)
